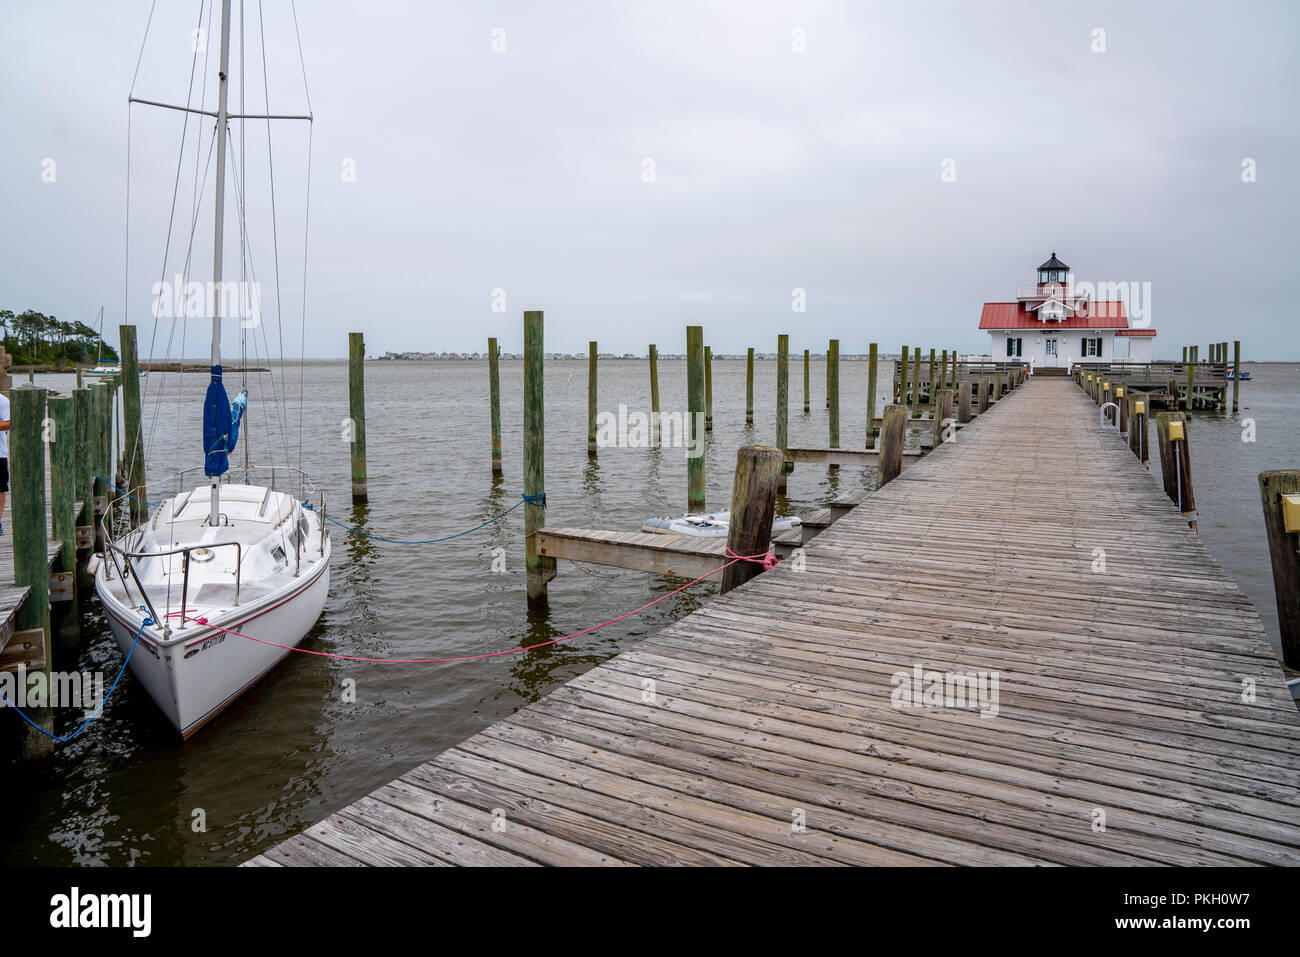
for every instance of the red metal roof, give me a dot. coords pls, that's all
(1136, 332)
(1107, 314)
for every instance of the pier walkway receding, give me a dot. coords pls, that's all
(1093, 689)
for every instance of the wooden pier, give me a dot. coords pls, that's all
(1141, 717)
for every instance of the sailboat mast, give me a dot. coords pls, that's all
(219, 220)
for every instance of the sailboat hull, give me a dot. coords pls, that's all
(198, 671)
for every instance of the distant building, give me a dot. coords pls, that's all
(1056, 323)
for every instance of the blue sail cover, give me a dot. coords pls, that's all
(221, 419)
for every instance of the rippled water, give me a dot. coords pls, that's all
(291, 750)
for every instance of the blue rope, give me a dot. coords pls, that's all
(147, 621)
(125, 492)
(535, 500)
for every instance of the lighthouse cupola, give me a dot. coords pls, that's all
(1053, 273)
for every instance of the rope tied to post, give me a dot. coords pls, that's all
(768, 560)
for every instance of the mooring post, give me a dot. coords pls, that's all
(84, 479)
(100, 490)
(1176, 462)
(494, 400)
(807, 389)
(997, 388)
(1236, 373)
(963, 402)
(783, 403)
(539, 569)
(61, 432)
(893, 426)
(1279, 493)
(942, 416)
(654, 395)
(591, 400)
(753, 506)
(357, 414)
(133, 443)
(708, 389)
(954, 370)
(984, 394)
(916, 381)
(930, 385)
(943, 369)
(749, 387)
(1141, 414)
(696, 425)
(900, 387)
(31, 559)
(1191, 377)
(1121, 410)
(872, 385)
(833, 391)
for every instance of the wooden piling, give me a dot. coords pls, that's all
(997, 387)
(749, 387)
(783, 402)
(900, 391)
(30, 544)
(1176, 462)
(807, 389)
(872, 385)
(1282, 549)
(539, 569)
(1191, 378)
(654, 394)
(357, 414)
(943, 370)
(963, 402)
(494, 388)
(99, 439)
(133, 435)
(953, 384)
(930, 384)
(84, 479)
(1236, 373)
(708, 389)
(591, 400)
(697, 426)
(62, 434)
(1121, 410)
(942, 415)
(753, 506)
(833, 391)
(916, 380)
(984, 394)
(892, 425)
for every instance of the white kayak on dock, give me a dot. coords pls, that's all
(710, 525)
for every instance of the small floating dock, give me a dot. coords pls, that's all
(1141, 717)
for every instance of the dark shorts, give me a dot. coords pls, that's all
(4, 475)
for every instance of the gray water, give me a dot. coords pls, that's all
(291, 750)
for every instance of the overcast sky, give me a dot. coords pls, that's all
(525, 170)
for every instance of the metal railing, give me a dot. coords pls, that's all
(112, 549)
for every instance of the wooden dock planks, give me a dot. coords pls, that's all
(1120, 695)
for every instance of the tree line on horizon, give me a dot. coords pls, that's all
(33, 338)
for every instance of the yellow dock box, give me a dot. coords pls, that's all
(1119, 392)
(1139, 407)
(1106, 386)
(1175, 431)
(1291, 512)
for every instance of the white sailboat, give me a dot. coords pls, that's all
(230, 575)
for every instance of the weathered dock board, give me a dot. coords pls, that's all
(1141, 717)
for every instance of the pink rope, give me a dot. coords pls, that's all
(491, 654)
(767, 559)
